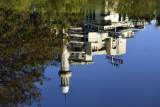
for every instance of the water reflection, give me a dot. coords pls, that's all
(17, 82)
(34, 39)
(99, 35)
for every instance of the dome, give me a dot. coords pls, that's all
(65, 90)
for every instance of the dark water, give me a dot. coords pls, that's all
(79, 53)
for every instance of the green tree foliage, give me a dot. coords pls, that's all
(26, 44)
(32, 30)
(28, 39)
(138, 9)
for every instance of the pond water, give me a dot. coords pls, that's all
(79, 53)
(135, 83)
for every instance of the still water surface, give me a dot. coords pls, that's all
(133, 84)
(80, 53)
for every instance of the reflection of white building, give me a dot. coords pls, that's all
(82, 47)
(116, 46)
(106, 34)
(96, 43)
(104, 18)
(87, 45)
(64, 60)
(65, 74)
(107, 21)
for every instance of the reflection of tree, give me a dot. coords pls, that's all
(158, 20)
(22, 33)
(17, 81)
(66, 9)
(29, 37)
(26, 43)
(138, 10)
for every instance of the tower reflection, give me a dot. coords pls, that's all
(65, 73)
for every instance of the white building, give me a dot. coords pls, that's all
(65, 72)
(116, 46)
(105, 18)
(94, 43)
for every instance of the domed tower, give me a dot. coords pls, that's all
(65, 76)
(65, 73)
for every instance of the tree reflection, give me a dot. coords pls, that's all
(17, 81)
(26, 46)
(33, 32)
(28, 41)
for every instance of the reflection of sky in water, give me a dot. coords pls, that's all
(134, 84)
